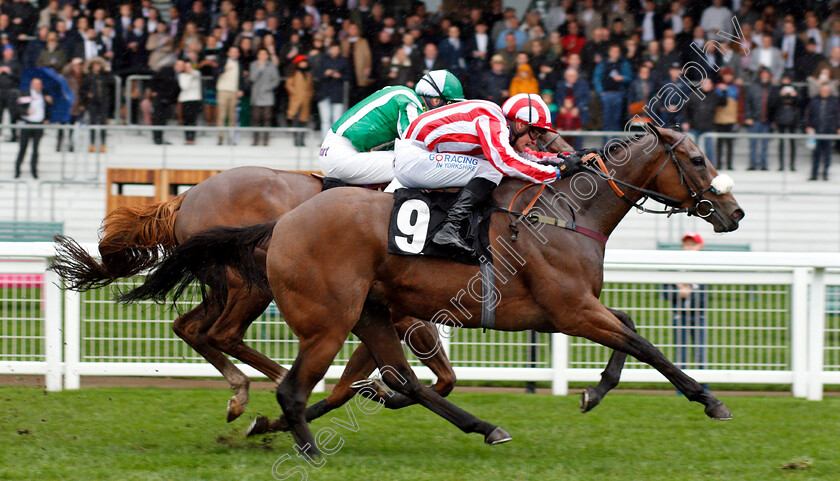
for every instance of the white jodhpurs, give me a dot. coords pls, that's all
(415, 166)
(341, 160)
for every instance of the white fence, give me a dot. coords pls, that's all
(771, 318)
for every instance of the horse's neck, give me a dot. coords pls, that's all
(601, 211)
(605, 209)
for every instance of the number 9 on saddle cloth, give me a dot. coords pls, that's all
(418, 214)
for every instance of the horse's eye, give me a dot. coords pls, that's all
(698, 161)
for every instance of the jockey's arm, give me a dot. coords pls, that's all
(407, 114)
(538, 155)
(496, 147)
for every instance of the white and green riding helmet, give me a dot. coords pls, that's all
(439, 84)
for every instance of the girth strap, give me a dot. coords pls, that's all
(488, 281)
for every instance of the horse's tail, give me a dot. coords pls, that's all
(133, 239)
(205, 257)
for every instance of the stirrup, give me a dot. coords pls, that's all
(455, 241)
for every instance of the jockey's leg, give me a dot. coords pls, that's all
(471, 196)
(415, 166)
(341, 160)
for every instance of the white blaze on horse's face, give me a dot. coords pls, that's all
(722, 184)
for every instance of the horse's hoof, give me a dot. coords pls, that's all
(497, 436)
(234, 409)
(589, 398)
(362, 383)
(259, 426)
(718, 411)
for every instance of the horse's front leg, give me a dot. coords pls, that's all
(592, 395)
(599, 324)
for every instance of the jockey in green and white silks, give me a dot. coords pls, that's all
(359, 149)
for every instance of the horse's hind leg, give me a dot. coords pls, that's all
(377, 332)
(358, 367)
(601, 326)
(317, 351)
(593, 395)
(243, 308)
(192, 327)
(423, 341)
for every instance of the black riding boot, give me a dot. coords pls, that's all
(473, 194)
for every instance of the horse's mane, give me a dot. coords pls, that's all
(617, 143)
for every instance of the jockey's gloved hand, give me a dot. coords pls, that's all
(569, 164)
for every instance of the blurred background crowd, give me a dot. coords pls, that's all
(758, 66)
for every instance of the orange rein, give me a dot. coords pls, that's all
(603, 167)
(533, 201)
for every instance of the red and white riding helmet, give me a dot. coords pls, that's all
(529, 109)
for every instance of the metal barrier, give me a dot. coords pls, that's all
(770, 319)
(52, 197)
(16, 198)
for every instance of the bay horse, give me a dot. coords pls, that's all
(136, 238)
(328, 267)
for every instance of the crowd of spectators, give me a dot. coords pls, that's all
(767, 66)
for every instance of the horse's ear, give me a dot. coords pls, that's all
(655, 130)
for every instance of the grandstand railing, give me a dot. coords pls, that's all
(771, 318)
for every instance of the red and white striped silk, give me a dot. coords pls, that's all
(478, 128)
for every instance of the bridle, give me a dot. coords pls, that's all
(702, 207)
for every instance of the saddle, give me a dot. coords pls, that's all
(416, 217)
(418, 214)
(331, 182)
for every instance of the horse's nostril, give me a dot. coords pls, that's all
(737, 215)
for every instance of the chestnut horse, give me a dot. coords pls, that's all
(243, 196)
(329, 269)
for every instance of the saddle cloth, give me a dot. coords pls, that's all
(418, 214)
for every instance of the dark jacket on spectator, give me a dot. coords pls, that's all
(137, 59)
(12, 79)
(602, 80)
(641, 90)
(754, 102)
(823, 115)
(164, 83)
(56, 59)
(329, 87)
(97, 89)
(452, 57)
(492, 85)
(476, 63)
(28, 15)
(806, 65)
(787, 107)
(700, 114)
